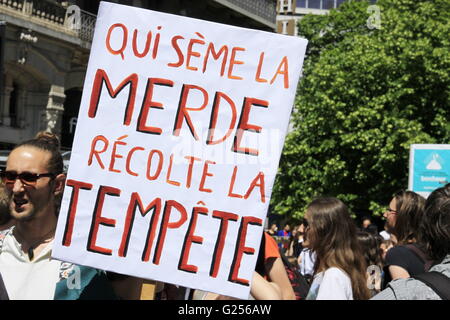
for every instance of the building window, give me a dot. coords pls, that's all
(314, 4)
(13, 107)
(329, 4)
(320, 4)
(301, 3)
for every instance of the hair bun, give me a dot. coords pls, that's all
(48, 137)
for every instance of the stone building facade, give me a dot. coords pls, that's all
(43, 57)
(44, 51)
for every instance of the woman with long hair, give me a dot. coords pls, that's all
(340, 267)
(371, 248)
(404, 216)
(435, 235)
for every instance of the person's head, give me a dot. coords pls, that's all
(301, 228)
(295, 230)
(435, 229)
(366, 222)
(5, 217)
(34, 177)
(370, 247)
(372, 228)
(304, 227)
(332, 236)
(274, 227)
(404, 216)
(287, 227)
(385, 245)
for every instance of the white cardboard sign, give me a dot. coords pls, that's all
(179, 135)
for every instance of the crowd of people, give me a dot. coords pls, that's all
(326, 256)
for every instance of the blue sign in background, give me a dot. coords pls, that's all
(431, 169)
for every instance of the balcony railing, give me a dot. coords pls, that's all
(263, 9)
(86, 31)
(52, 15)
(48, 11)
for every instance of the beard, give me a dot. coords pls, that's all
(26, 209)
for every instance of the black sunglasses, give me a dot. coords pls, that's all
(27, 178)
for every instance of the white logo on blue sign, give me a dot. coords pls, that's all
(431, 168)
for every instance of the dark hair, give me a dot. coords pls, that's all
(332, 237)
(435, 229)
(5, 216)
(410, 208)
(371, 248)
(49, 142)
(372, 228)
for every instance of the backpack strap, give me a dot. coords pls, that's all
(427, 262)
(437, 281)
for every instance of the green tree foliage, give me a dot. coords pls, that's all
(365, 96)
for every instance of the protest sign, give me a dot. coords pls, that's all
(179, 135)
(429, 167)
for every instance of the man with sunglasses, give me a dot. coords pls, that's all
(34, 181)
(32, 193)
(434, 233)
